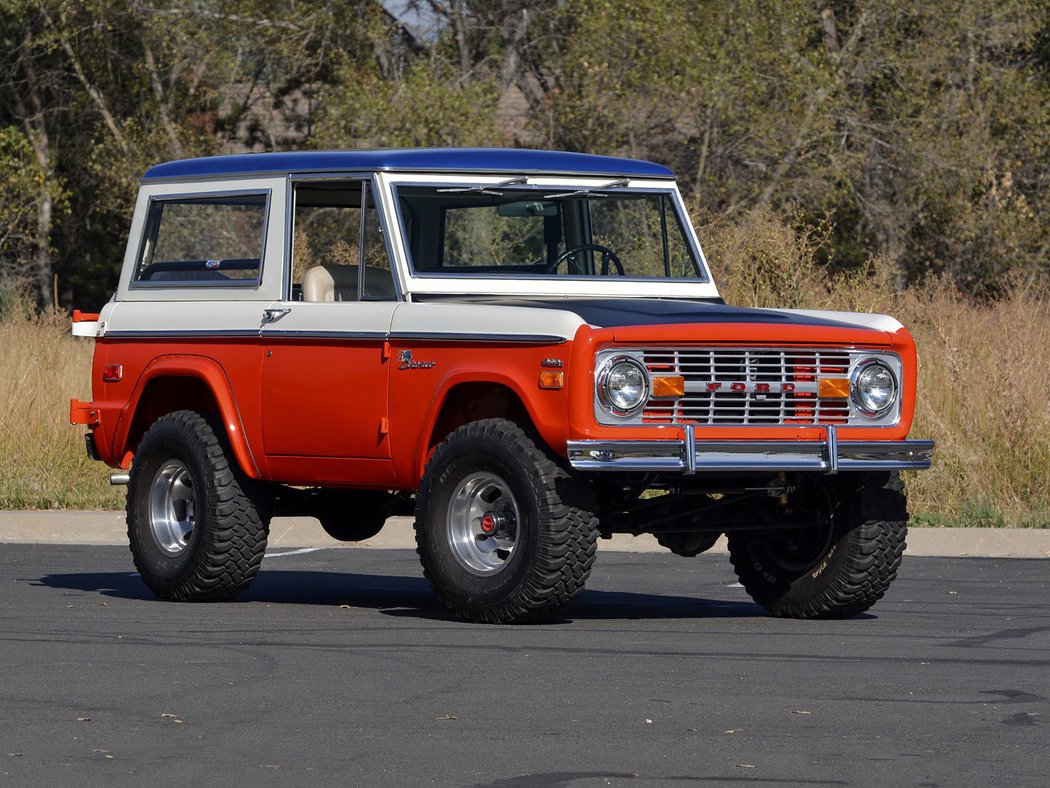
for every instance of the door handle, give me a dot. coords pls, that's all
(271, 315)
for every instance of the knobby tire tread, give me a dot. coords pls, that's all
(568, 540)
(874, 548)
(234, 541)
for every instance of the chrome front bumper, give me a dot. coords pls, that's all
(691, 455)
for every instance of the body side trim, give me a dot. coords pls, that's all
(401, 336)
(186, 333)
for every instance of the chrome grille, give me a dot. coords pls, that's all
(750, 386)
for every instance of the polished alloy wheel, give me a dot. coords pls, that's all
(483, 523)
(173, 507)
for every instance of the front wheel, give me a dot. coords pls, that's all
(839, 565)
(503, 532)
(195, 533)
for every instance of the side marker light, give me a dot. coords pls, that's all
(552, 380)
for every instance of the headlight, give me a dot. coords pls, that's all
(874, 387)
(623, 385)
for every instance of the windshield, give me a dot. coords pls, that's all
(498, 231)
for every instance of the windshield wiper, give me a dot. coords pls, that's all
(590, 190)
(517, 180)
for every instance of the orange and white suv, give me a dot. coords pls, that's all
(527, 343)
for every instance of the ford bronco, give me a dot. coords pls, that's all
(526, 348)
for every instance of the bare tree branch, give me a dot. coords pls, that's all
(96, 95)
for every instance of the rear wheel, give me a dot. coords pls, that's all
(195, 533)
(503, 532)
(841, 564)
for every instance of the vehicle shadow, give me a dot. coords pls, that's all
(405, 596)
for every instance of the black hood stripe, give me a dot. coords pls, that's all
(624, 312)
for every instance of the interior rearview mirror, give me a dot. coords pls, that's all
(530, 208)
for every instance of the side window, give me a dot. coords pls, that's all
(332, 237)
(203, 240)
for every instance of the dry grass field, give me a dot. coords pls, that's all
(42, 460)
(982, 395)
(981, 391)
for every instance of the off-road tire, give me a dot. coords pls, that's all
(556, 528)
(221, 554)
(857, 560)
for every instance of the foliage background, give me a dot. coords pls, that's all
(872, 154)
(917, 134)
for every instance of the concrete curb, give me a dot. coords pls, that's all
(107, 528)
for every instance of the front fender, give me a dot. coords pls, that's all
(416, 407)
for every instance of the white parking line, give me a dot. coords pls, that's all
(268, 554)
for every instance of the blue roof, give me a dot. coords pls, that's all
(495, 160)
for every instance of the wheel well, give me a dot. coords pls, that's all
(164, 395)
(469, 402)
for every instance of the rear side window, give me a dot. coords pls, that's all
(214, 241)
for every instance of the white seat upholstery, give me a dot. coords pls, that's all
(327, 283)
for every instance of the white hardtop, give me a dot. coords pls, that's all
(279, 194)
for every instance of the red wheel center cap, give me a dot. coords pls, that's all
(489, 523)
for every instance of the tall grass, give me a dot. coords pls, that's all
(43, 464)
(981, 395)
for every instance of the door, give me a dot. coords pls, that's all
(325, 369)
(324, 381)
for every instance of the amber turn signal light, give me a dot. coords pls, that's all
(552, 380)
(673, 386)
(834, 388)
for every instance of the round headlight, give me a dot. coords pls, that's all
(623, 385)
(874, 387)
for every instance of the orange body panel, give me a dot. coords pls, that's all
(336, 412)
(324, 398)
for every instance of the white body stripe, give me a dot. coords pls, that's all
(863, 319)
(479, 319)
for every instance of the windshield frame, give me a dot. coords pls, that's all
(517, 282)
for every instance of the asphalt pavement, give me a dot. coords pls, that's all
(337, 667)
(108, 528)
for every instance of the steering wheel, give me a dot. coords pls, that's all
(607, 256)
